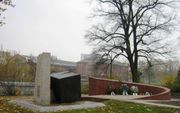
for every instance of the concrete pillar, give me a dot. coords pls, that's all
(42, 80)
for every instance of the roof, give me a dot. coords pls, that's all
(63, 63)
(62, 75)
(106, 62)
(57, 62)
(94, 58)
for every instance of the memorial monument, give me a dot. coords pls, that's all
(65, 87)
(42, 80)
(57, 87)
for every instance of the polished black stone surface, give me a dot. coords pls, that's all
(65, 87)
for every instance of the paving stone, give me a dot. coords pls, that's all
(78, 105)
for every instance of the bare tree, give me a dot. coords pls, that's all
(133, 29)
(3, 7)
(105, 58)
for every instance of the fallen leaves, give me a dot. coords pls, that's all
(5, 107)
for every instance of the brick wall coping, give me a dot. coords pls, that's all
(98, 86)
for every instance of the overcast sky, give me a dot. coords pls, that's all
(56, 26)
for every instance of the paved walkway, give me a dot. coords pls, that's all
(53, 108)
(90, 104)
(134, 99)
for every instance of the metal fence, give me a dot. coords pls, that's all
(24, 88)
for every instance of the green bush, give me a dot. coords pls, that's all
(168, 81)
(176, 85)
(84, 89)
(8, 89)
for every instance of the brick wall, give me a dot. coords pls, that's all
(98, 86)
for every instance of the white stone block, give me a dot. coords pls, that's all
(42, 80)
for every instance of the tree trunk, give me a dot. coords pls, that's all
(111, 70)
(111, 67)
(135, 75)
(134, 72)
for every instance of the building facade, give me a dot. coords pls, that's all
(88, 67)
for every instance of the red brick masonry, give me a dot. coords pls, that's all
(98, 86)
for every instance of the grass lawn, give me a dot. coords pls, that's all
(111, 107)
